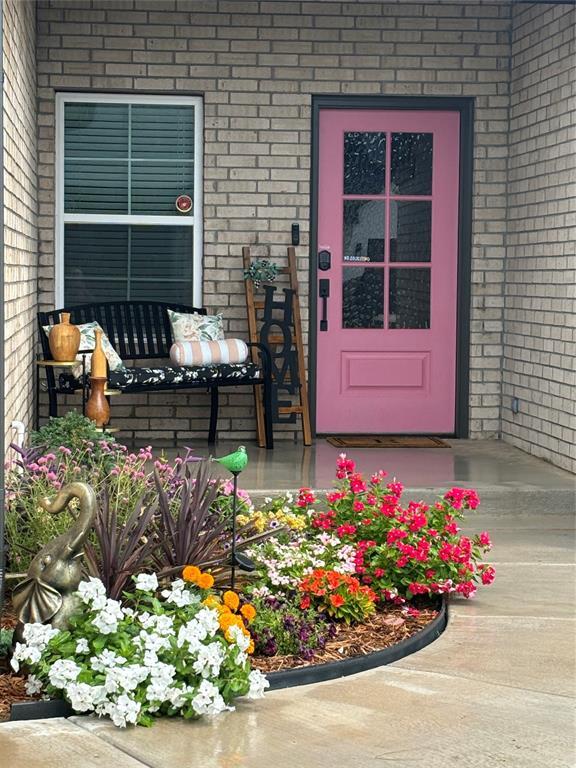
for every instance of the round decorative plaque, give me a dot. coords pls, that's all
(183, 203)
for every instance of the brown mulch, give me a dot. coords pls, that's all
(386, 628)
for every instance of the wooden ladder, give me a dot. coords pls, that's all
(253, 306)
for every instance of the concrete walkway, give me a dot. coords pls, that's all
(497, 689)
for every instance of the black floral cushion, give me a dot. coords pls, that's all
(131, 378)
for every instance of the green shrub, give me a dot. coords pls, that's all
(72, 431)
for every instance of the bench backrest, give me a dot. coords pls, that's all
(137, 329)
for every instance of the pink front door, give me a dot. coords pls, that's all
(388, 247)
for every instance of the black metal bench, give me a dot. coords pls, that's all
(140, 330)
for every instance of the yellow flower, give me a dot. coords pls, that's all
(212, 602)
(248, 611)
(191, 573)
(231, 599)
(205, 581)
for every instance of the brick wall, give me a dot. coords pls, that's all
(20, 210)
(257, 64)
(540, 292)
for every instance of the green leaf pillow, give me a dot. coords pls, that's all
(196, 327)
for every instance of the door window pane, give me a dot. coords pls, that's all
(410, 230)
(362, 297)
(117, 262)
(363, 230)
(364, 163)
(409, 298)
(411, 165)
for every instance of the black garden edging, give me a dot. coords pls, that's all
(36, 710)
(320, 672)
(40, 710)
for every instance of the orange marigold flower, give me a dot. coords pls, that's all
(231, 599)
(191, 573)
(248, 611)
(250, 648)
(205, 581)
(227, 620)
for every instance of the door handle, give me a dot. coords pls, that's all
(324, 293)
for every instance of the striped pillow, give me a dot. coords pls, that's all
(196, 353)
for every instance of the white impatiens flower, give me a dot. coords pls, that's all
(151, 641)
(84, 697)
(36, 637)
(126, 678)
(210, 659)
(240, 639)
(33, 685)
(208, 700)
(208, 618)
(82, 646)
(204, 624)
(177, 696)
(105, 660)
(162, 625)
(122, 711)
(241, 658)
(258, 684)
(146, 582)
(23, 653)
(106, 620)
(92, 592)
(62, 672)
(179, 594)
(161, 679)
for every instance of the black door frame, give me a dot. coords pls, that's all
(465, 107)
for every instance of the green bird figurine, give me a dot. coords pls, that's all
(235, 462)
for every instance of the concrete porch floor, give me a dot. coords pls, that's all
(497, 689)
(483, 464)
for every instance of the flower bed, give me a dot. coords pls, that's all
(346, 574)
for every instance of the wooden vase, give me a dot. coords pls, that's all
(98, 368)
(97, 407)
(64, 339)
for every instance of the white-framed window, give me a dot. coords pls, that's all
(122, 162)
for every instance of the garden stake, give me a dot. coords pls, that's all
(235, 463)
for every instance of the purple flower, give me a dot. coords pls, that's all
(270, 648)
